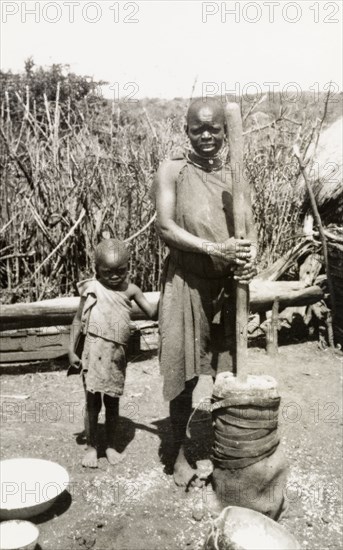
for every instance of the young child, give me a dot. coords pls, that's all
(101, 330)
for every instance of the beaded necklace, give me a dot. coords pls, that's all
(208, 164)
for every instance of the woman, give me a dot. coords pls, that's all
(195, 220)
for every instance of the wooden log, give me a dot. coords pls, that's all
(55, 312)
(262, 299)
(60, 311)
(272, 330)
(46, 313)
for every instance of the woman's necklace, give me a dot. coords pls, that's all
(208, 164)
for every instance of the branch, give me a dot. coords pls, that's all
(8, 224)
(17, 255)
(322, 119)
(253, 105)
(150, 123)
(78, 221)
(331, 236)
(141, 230)
(14, 157)
(316, 215)
(261, 127)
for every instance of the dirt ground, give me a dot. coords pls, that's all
(135, 505)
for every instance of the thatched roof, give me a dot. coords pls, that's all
(328, 163)
(327, 174)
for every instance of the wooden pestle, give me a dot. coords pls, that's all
(240, 194)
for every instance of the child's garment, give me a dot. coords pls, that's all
(106, 327)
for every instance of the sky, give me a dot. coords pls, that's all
(165, 48)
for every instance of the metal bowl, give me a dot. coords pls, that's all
(18, 535)
(29, 486)
(238, 528)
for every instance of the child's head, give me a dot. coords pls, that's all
(111, 262)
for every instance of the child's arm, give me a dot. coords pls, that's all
(151, 310)
(75, 332)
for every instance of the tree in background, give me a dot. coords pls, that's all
(33, 88)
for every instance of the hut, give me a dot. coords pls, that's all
(327, 174)
(327, 183)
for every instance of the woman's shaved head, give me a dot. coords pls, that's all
(206, 126)
(202, 106)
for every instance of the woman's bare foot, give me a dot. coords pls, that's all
(184, 474)
(204, 468)
(113, 456)
(90, 460)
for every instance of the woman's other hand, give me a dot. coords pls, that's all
(245, 273)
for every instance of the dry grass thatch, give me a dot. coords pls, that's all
(327, 173)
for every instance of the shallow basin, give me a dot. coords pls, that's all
(29, 486)
(18, 535)
(239, 528)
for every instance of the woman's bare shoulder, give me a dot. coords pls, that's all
(169, 169)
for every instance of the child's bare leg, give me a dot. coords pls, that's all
(111, 420)
(93, 407)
